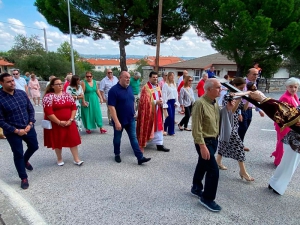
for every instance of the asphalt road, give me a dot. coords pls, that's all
(104, 192)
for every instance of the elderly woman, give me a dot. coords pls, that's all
(290, 97)
(60, 109)
(35, 89)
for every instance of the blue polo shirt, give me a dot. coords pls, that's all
(210, 74)
(123, 101)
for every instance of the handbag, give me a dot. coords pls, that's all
(46, 124)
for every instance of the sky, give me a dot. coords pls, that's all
(22, 17)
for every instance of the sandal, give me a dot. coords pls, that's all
(222, 167)
(180, 127)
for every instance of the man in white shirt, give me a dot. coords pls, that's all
(105, 85)
(20, 82)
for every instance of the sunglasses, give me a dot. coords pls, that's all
(88, 76)
(58, 84)
(109, 72)
(15, 74)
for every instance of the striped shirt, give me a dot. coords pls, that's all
(16, 110)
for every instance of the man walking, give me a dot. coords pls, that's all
(200, 85)
(121, 107)
(135, 85)
(105, 85)
(17, 121)
(149, 121)
(20, 82)
(205, 130)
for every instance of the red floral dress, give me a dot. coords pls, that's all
(61, 106)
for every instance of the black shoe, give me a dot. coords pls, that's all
(118, 159)
(28, 166)
(143, 160)
(211, 205)
(24, 183)
(273, 190)
(162, 148)
(196, 191)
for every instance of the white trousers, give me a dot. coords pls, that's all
(158, 138)
(284, 172)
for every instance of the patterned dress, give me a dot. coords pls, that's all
(61, 106)
(234, 148)
(76, 92)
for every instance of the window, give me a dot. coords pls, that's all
(99, 67)
(197, 75)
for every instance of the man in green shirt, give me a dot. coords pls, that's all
(205, 130)
(135, 84)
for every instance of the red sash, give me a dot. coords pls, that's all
(158, 123)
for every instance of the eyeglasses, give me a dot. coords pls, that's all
(109, 72)
(58, 84)
(15, 74)
(88, 76)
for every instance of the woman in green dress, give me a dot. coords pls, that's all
(76, 91)
(91, 112)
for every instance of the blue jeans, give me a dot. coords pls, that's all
(170, 120)
(244, 125)
(208, 167)
(20, 159)
(131, 131)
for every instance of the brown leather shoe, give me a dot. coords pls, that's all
(246, 149)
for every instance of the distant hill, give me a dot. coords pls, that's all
(90, 56)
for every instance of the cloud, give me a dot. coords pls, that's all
(40, 24)
(16, 26)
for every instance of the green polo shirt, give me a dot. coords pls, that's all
(135, 84)
(206, 119)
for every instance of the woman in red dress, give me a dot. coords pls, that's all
(60, 109)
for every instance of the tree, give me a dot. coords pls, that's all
(248, 31)
(121, 20)
(65, 50)
(141, 63)
(292, 63)
(26, 46)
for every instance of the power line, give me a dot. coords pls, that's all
(21, 25)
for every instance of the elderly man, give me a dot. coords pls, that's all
(67, 81)
(105, 85)
(200, 85)
(121, 106)
(247, 114)
(17, 121)
(135, 85)
(20, 82)
(205, 131)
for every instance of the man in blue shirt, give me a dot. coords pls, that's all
(211, 72)
(17, 121)
(121, 107)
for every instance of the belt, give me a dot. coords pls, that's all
(211, 138)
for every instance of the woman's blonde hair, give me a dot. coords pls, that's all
(186, 81)
(168, 80)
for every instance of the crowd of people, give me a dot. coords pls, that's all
(147, 114)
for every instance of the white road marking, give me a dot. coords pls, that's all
(21, 205)
(268, 130)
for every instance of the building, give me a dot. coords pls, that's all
(5, 66)
(103, 64)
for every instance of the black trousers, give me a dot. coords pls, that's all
(187, 114)
(208, 167)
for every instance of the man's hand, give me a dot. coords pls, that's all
(240, 118)
(230, 105)
(204, 152)
(159, 102)
(118, 126)
(27, 129)
(22, 132)
(261, 113)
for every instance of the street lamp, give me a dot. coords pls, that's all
(71, 44)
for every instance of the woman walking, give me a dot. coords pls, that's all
(76, 91)
(60, 109)
(91, 112)
(35, 89)
(234, 148)
(186, 100)
(170, 100)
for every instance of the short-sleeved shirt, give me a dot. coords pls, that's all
(210, 74)
(123, 101)
(135, 84)
(20, 83)
(106, 84)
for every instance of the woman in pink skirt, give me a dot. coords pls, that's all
(35, 89)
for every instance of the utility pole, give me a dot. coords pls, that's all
(45, 38)
(71, 44)
(158, 35)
